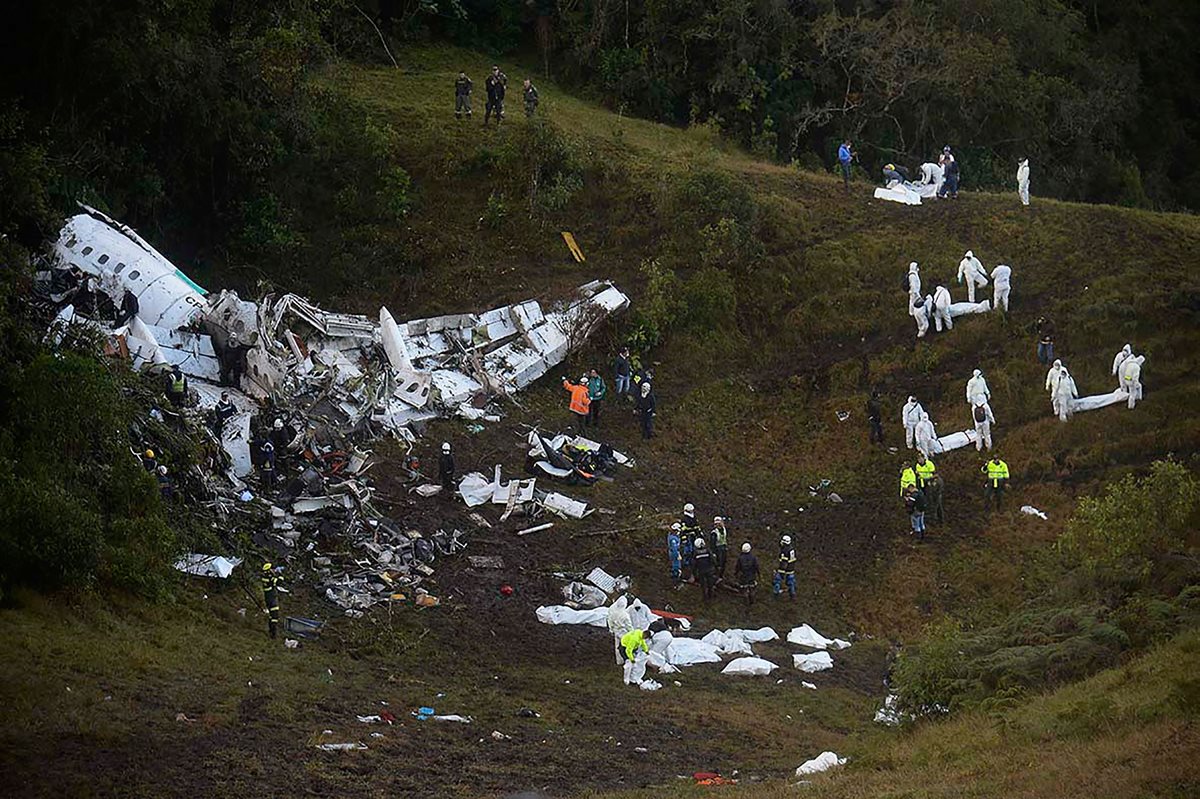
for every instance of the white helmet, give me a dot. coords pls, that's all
(676, 527)
(645, 388)
(787, 539)
(278, 424)
(446, 447)
(746, 547)
(699, 543)
(584, 379)
(689, 508)
(718, 519)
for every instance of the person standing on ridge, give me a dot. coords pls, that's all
(746, 572)
(496, 84)
(845, 158)
(462, 96)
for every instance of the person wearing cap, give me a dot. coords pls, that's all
(446, 468)
(718, 543)
(746, 572)
(785, 571)
(675, 553)
(997, 480)
(149, 462)
(702, 565)
(270, 588)
(166, 488)
(580, 403)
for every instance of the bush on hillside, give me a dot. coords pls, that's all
(1117, 536)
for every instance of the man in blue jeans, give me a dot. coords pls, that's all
(622, 371)
(915, 502)
(1045, 345)
(845, 156)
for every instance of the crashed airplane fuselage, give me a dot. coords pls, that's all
(355, 369)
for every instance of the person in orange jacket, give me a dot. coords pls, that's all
(580, 403)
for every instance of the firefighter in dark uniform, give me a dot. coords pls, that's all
(446, 468)
(785, 572)
(462, 96)
(495, 84)
(270, 587)
(531, 98)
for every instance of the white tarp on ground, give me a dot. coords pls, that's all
(890, 714)
(964, 308)
(207, 565)
(561, 614)
(728, 644)
(750, 666)
(754, 636)
(899, 193)
(1099, 401)
(804, 635)
(690, 651)
(817, 661)
(822, 762)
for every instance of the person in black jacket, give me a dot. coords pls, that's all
(746, 572)
(702, 565)
(446, 468)
(915, 503)
(496, 84)
(462, 96)
(647, 406)
(875, 418)
(531, 98)
(622, 371)
(128, 310)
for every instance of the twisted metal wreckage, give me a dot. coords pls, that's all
(339, 380)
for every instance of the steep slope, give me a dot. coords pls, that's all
(777, 300)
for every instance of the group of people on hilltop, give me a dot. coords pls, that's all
(590, 392)
(496, 85)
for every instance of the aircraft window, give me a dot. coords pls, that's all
(87, 250)
(71, 242)
(134, 275)
(103, 259)
(119, 269)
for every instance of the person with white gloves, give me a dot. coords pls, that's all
(910, 416)
(635, 646)
(976, 386)
(926, 435)
(941, 308)
(1064, 393)
(971, 270)
(914, 281)
(1052, 377)
(1023, 180)
(1001, 285)
(983, 418)
(919, 309)
(1131, 378)
(1125, 354)
(619, 623)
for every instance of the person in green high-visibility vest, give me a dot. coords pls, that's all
(177, 387)
(997, 479)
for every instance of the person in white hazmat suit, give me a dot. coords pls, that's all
(910, 416)
(1052, 377)
(927, 437)
(1001, 285)
(972, 272)
(914, 281)
(619, 623)
(976, 386)
(981, 414)
(932, 175)
(1023, 180)
(941, 309)
(1131, 378)
(1125, 354)
(919, 309)
(1064, 392)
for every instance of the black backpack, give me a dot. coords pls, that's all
(904, 282)
(980, 413)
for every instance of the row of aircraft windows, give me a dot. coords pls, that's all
(103, 259)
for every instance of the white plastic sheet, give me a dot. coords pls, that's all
(207, 565)
(1099, 401)
(690, 651)
(749, 666)
(822, 762)
(1032, 511)
(964, 308)
(755, 636)
(727, 644)
(804, 635)
(899, 193)
(817, 661)
(953, 441)
(561, 614)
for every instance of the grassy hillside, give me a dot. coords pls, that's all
(775, 300)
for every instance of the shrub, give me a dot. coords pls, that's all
(495, 211)
(1134, 521)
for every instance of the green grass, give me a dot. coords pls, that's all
(747, 422)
